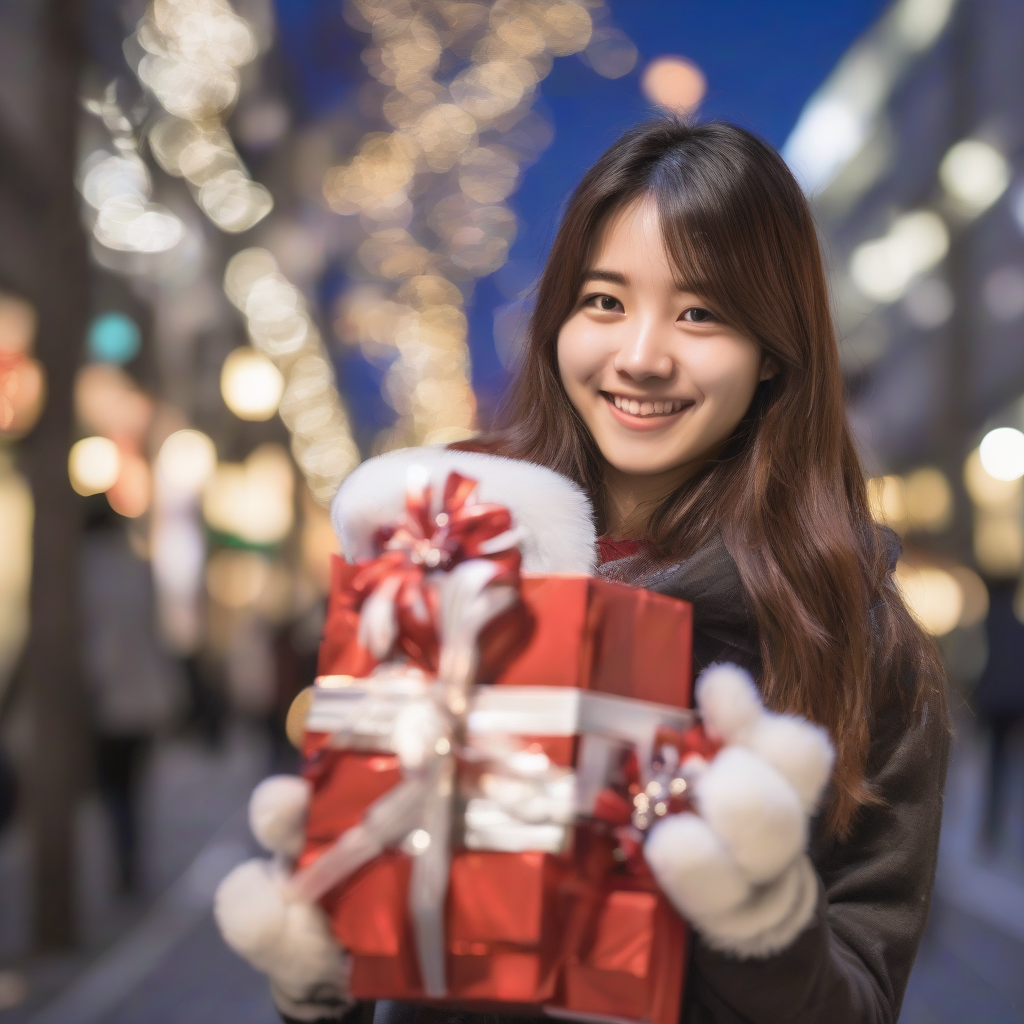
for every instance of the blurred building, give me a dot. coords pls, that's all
(913, 153)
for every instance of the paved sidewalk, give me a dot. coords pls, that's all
(194, 830)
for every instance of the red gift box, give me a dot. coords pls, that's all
(570, 924)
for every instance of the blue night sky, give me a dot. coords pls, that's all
(762, 61)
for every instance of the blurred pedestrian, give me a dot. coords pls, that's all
(999, 702)
(132, 684)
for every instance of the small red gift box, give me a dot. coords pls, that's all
(549, 914)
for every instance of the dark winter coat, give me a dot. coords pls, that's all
(851, 964)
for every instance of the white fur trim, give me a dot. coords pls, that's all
(277, 813)
(754, 810)
(770, 920)
(554, 514)
(693, 868)
(289, 941)
(250, 911)
(800, 750)
(728, 701)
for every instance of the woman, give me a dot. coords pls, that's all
(682, 368)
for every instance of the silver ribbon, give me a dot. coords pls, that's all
(525, 803)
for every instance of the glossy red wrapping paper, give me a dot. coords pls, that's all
(574, 933)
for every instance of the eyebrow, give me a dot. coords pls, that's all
(614, 277)
(611, 276)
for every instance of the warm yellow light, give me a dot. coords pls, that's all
(888, 502)
(999, 544)
(93, 465)
(251, 384)
(1002, 453)
(254, 500)
(186, 461)
(989, 492)
(929, 500)
(975, 596)
(932, 595)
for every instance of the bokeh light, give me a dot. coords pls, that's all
(1002, 453)
(974, 175)
(193, 53)
(93, 465)
(610, 52)
(998, 534)
(884, 268)
(109, 402)
(186, 461)
(281, 328)
(675, 83)
(113, 338)
(999, 544)
(929, 500)
(251, 384)
(887, 500)
(130, 494)
(933, 596)
(987, 491)
(253, 501)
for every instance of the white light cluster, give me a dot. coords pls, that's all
(431, 192)
(1002, 453)
(994, 478)
(118, 187)
(281, 328)
(193, 50)
(844, 113)
(974, 175)
(884, 268)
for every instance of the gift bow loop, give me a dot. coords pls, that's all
(398, 605)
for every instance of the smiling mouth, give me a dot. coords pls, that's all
(647, 408)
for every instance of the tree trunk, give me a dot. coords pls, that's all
(52, 652)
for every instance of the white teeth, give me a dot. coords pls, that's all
(637, 408)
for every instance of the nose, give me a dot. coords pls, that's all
(645, 352)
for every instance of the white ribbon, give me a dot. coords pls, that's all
(523, 804)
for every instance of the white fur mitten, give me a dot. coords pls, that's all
(737, 869)
(289, 941)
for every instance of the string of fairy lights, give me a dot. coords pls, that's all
(430, 193)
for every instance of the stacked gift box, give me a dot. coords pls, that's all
(548, 902)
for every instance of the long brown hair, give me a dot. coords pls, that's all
(787, 491)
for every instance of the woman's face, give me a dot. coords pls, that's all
(659, 379)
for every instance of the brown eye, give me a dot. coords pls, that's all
(699, 315)
(605, 303)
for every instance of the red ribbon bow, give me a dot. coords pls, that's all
(421, 542)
